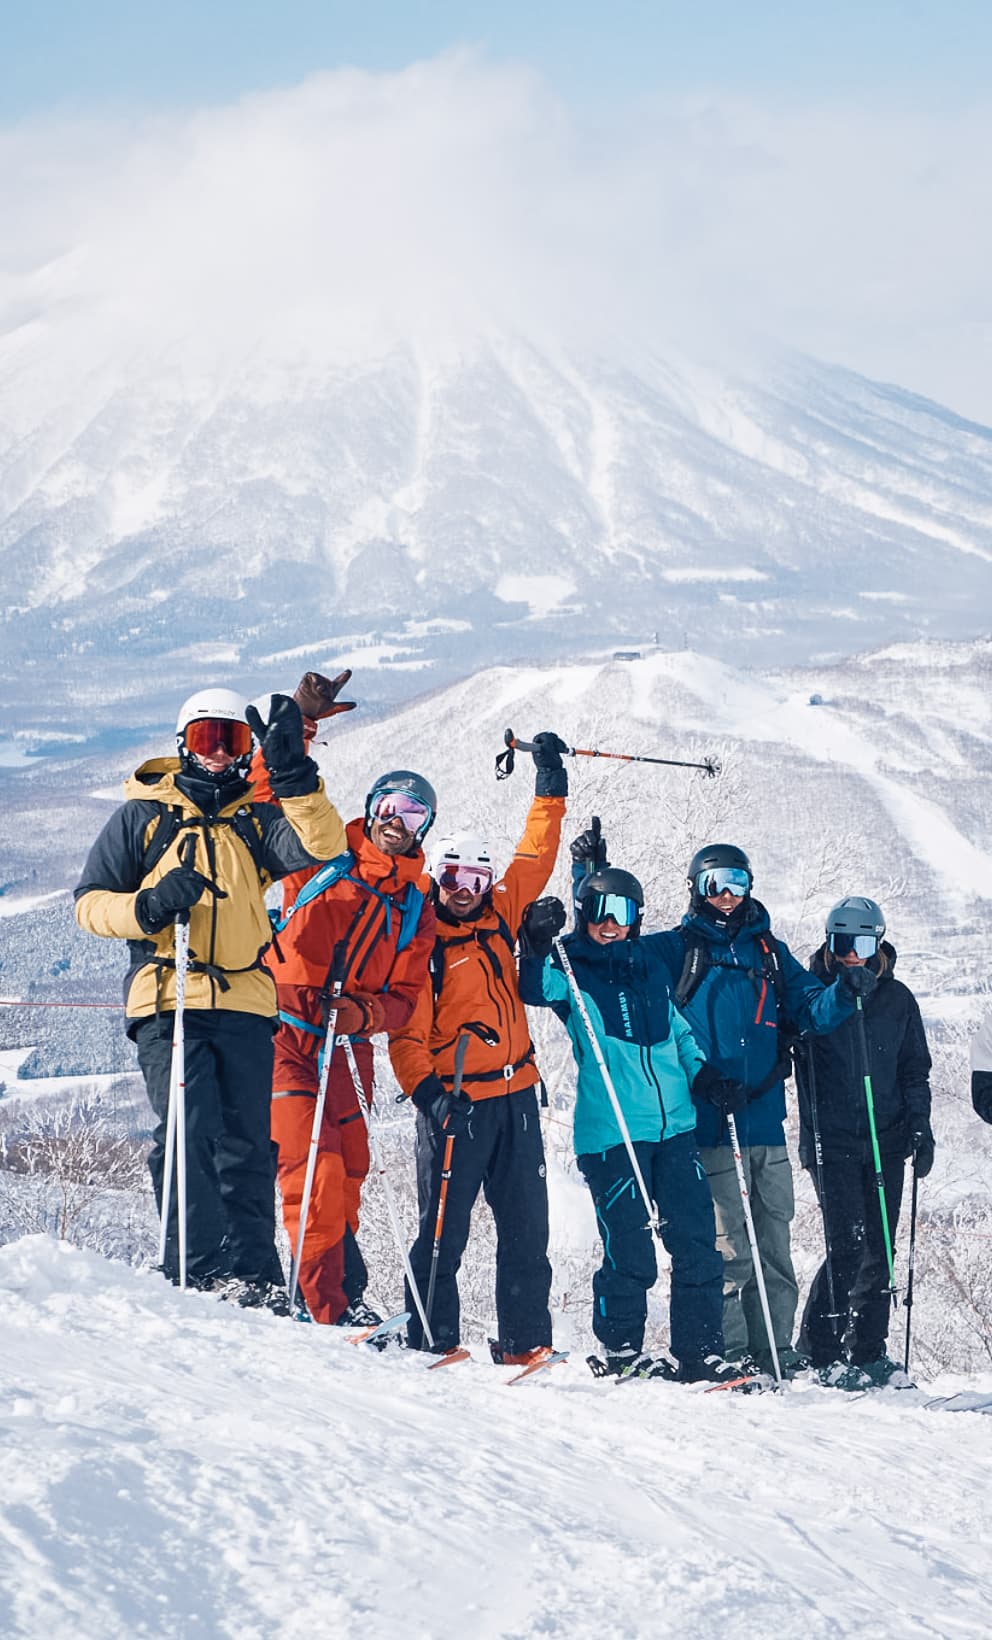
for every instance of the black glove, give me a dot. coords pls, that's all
(291, 772)
(543, 920)
(317, 696)
(722, 1092)
(921, 1147)
(589, 848)
(981, 1094)
(451, 1114)
(172, 897)
(551, 779)
(860, 982)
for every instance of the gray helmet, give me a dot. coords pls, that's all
(404, 780)
(856, 914)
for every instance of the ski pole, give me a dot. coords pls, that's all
(875, 1152)
(461, 1048)
(337, 967)
(759, 1273)
(505, 760)
(809, 1069)
(377, 1162)
(175, 1122)
(911, 1267)
(580, 1002)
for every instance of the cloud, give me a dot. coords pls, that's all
(460, 195)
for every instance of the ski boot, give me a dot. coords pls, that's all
(843, 1375)
(359, 1314)
(884, 1373)
(709, 1369)
(254, 1295)
(522, 1358)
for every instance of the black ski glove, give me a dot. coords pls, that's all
(981, 1094)
(551, 780)
(432, 1097)
(860, 982)
(291, 772)
(722, 1092)
(543, 920)
(172, 897)
(589, 848)
(921, 1147)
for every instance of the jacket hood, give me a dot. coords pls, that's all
(724, 930)
(161, 778)
(827, 972)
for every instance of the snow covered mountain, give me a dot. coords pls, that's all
(459, 505)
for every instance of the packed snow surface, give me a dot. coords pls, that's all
(172, 1466)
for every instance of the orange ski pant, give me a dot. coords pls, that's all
(342, 1161)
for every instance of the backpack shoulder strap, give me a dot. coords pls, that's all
(166, 828)
(411, 906)
(694, 966)
(330, 872)
(248, 827)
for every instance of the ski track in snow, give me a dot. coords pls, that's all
(171, 1467)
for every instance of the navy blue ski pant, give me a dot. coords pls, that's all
(677, 1185)
(852, 1222)
(502, 1153)
(230, 1163)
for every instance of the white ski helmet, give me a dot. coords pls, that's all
(211, 703)
(461, 848)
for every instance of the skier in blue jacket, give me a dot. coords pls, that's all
(741, 991)
(653, 1063)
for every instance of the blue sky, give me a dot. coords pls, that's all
(88, 54)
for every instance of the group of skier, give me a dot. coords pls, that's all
(682, 1041)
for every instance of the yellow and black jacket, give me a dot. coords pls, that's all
(242, 848)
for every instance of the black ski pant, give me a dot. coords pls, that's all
(501, 1153)
(230, 1162)
(356, 1272)
(852, 1227)
(676, 1183)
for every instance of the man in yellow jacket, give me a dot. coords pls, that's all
(190, 843)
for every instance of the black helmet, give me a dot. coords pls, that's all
(404, 780)
(710, 858)
(611, 880)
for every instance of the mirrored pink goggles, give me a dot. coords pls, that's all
(415, 816)
(477, 879)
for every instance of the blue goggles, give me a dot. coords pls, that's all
(598, 907)
(863, 945)
(718, 879)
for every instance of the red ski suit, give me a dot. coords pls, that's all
(360, 917)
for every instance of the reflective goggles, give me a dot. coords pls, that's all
(414, 815)
(598, 907)
(477, 879)
(205, 736)
(718, 879)
(863, 945)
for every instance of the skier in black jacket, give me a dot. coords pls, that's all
(847, 1338)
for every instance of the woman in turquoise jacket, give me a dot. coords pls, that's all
(655, 1067)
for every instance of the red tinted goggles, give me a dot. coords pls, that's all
(414, 815)
(205, 736)
(477, 879)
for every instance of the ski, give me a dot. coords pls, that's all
(451, 1358)
(551, 1360)
(382, 1330)
(753, 1383)
(964, 1401)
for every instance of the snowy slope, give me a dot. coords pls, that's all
(172, 1468)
